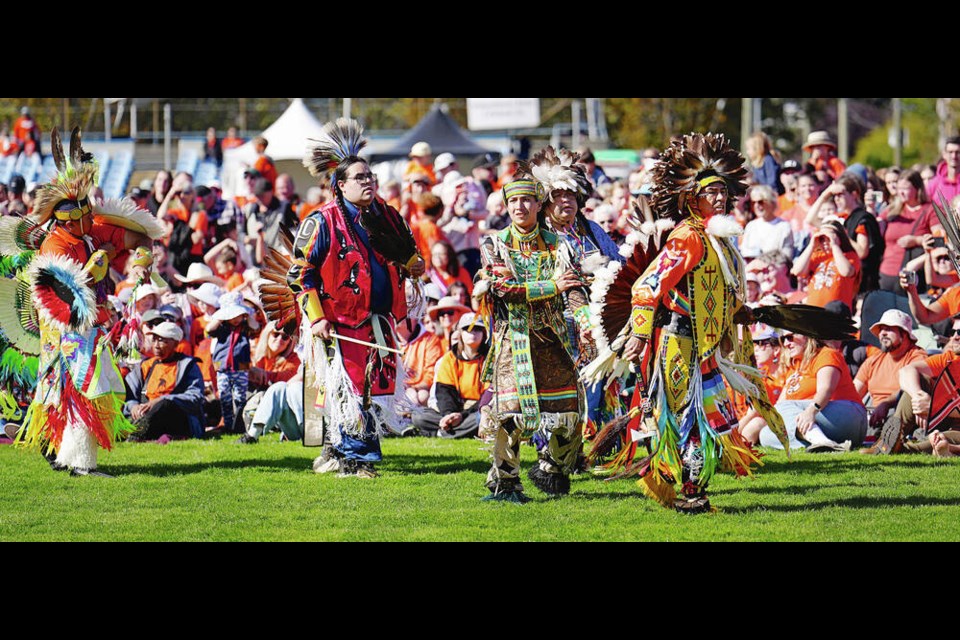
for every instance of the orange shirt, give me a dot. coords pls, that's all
(266, 168)
(279, 369)
(940, 362)
(801, 384)
(163, 377)
(234, 281)
(463, 375)
(784, 203)
(414, 167)
(426, 233)
(420, 358)
(446, 279)
(880, 373)
(60, 242)
(231, 143)
(950, 300)
(827, 285)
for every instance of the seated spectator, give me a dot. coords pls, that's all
(823, 154)
(820, 405)
(458, 386)
(274, 363)
(789, 173)
(165, 393)
(422, 349)
(808, 190)
(773, 271)
(186, 226)
(418, 184)
(265, 217)
(938, 269)
(879, 376)
(831, 266)
(766, 232)
(458, 291)
(913, 409)
(446, 314)
(767, 351)
(497, 217)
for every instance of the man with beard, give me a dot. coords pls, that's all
(921, 382)
(880, 373)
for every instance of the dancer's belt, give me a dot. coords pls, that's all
(673, 322)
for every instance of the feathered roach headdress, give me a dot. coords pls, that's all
(561, 171)
(70, 190)
(339, 140)
(687, 162)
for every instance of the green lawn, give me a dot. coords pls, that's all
(430, 490)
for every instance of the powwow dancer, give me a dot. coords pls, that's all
(530, 365)
(586, 248)
(350, 261)
(681, 325)
(80, 393)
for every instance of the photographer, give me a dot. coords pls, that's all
(831, 265)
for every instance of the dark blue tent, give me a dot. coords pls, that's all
(441, 132)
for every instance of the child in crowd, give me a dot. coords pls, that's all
(231, 329)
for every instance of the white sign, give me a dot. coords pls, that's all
(502, 113)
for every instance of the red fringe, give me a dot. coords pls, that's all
(82, 411)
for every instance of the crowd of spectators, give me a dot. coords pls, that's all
(815, 232)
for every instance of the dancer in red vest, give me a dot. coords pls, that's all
(351, 259)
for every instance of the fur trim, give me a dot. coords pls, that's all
(123, 212)
(559, 171)
(594, 263)
(78, 449)
(63, 293)
(724, 227)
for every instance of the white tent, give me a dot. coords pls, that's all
(288, 138)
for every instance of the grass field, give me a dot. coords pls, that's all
(430, 490)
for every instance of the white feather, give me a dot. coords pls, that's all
(724, 227)
(594, 263)
(125, 213)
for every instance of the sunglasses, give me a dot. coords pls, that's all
(446, 314)
(953, 333)
(787, 338)
(770, 342)
(279, 335)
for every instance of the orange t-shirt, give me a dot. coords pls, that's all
(940, 362)
(827, 285)
(950, 300)
(163, 378)
(231, 143)
(801, 384)
(266, 168)
(426, 233)
(420, 358)
(464, 375)
(234, 281)
(880, 373)
(279, 370)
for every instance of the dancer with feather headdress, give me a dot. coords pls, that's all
(530, 365)
(676, 310)
(347, 296)
(586, 248)
(79, 396)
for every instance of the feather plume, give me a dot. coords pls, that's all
(389, 234)
(19, 234)
(278, 301)
(18, 321)
(123, 212)
(560, 172)
(63, 293)
(57, 150)
(338, 140)
(813, 322)
(687, 157)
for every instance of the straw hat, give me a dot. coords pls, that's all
(818, 138)
(447, 304)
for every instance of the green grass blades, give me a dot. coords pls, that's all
(431, 490)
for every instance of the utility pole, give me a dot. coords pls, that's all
(167, 136)
(843, 129)
(107, 125)
(897, 132)
(746, 119)
(347, 107)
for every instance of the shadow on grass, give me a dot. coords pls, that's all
(433, 465)
(858, 503)
(162, 470)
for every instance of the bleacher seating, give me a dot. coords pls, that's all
(206, 173)
(115, 180)
(188, 161)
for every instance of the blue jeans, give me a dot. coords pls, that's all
(281, 406)
(840, 420)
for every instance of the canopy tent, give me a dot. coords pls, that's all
(442, 133)
(288, 138)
